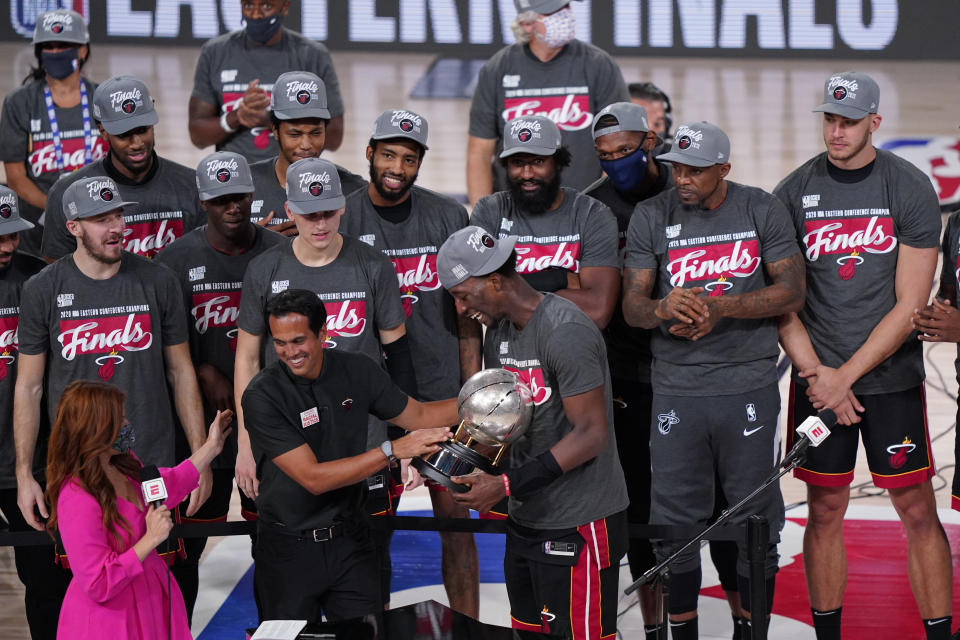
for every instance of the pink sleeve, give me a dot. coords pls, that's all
(100, 571)
(180, 481)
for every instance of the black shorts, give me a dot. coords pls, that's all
(955, 493)
(218, 504)
(299, 579)
(566, 582)
(896, 440)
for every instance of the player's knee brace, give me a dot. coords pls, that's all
(684, 591)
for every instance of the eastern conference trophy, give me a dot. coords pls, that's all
(495, 408)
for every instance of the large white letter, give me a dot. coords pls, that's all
(367, 26)
(733, 24)
(122, 20)
(203, 14)
(313, 22)
(697, 23)
(443, 20)
(860, 36)
(626, 23)
(805, 33)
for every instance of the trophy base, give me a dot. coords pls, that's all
(453, 459)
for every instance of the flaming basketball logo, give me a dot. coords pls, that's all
(898, 452)
(716, 288)
(524, 135)
(839, 93)
(848, 265)
(107, 364)
(128, 106)
(303, 97)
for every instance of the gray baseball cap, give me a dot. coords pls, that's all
(90, 197)
(10, 220)
(299, 94)
(537, 135)
(123, 103)
(313, 185)
(471, 252)
(62, 25)
(698, 144)
(630, 117)
(540, 6)
(850, 94)
(400, 123)
(223, 173)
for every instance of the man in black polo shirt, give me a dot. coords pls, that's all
(307, 420)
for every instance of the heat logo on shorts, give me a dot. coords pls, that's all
(666, 420)
(898, 453)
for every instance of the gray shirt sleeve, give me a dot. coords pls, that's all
(778, 240)
(57, 240)
(919, 224)
(173, 316)
(33, 330)
(600, 240)
(609, 85)
(484, 110)
(13, 129)
(386, 294)
(203, 88)
(573, 353)
(641, 253)
(486, 214)
(323, 67)
(253, 299)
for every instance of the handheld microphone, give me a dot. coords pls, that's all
(812, 432)
(151, 483)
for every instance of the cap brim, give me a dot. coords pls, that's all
(494, 262)
(531, 149)
(58, 37)
(842, 110)
(299, 114)
(226, 191)
(399, 136)
(676, 157)
(119, 127)
(102, 209)
(14, 226)
(327, 204)
(616, 129)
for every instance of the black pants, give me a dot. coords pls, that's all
(299, 579)
(45, 583)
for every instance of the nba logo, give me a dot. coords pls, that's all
(751, 413)
(24, 13)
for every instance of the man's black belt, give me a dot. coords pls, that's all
(323, 534)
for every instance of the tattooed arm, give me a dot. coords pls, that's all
(640, 310)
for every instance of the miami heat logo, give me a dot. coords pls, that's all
(666, 420)
(684, 142)
(717, 287)
(524, 135)
(5, 211)
(406, 125)
(839, 93)
(848, 265)
(106, 194)
(128, 106)
(487, 241)
(223, 175)
(315, 188)
(106, 364)
(898, 453)
(303, 97)
(57, 27)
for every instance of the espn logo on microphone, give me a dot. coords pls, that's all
(814, 429)
(154, 490)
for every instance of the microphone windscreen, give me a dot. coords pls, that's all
(828, 418)
(150, 472)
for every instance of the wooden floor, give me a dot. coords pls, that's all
(764, 106)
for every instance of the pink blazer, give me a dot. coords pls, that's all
(114, 595)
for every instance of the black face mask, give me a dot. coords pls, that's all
(62, 63)
(262, 29)
(125, 439)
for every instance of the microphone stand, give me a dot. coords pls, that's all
(658, 574)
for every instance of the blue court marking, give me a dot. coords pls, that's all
(416, 563)
(448, 78)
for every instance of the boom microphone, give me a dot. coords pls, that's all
(812, 432)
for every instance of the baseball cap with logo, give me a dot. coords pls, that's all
(10, 220)
(62, 25)
(537, 135)
(698, 144)
(400, 123)
(540, 6)
(123, 103)
(313, 185)
(223, 173)
(299, 94)
(90, 197)
(850, 94)
(630, 117)
(471, 252)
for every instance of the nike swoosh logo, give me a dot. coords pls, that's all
(930, 623)
(823, 613)
(752, 431)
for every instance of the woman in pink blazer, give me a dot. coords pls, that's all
(119, 587)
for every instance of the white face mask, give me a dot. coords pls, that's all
(560, 26)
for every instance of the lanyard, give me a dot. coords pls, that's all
(55, 128)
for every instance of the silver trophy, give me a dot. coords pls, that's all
(495, 408)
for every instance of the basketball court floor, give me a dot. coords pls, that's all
(764, 106)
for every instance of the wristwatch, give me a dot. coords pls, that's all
(387, 448)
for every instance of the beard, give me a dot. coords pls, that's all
(96, 254)
(539, 201)
(391, 196)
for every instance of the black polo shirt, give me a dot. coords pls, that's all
(282, 411)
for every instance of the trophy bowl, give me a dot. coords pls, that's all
(495, 408)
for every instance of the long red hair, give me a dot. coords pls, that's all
(88, 420)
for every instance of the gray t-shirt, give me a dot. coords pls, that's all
(211, 282)
(559, 354)
(230, 62)
(167, 207)
(569, 89)
(269, 195)
(581, 232)
(22, 266)
(26, 135)
(850, 235)
(112, 330)
(412, 245)
(628, 348)
(722, 250)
